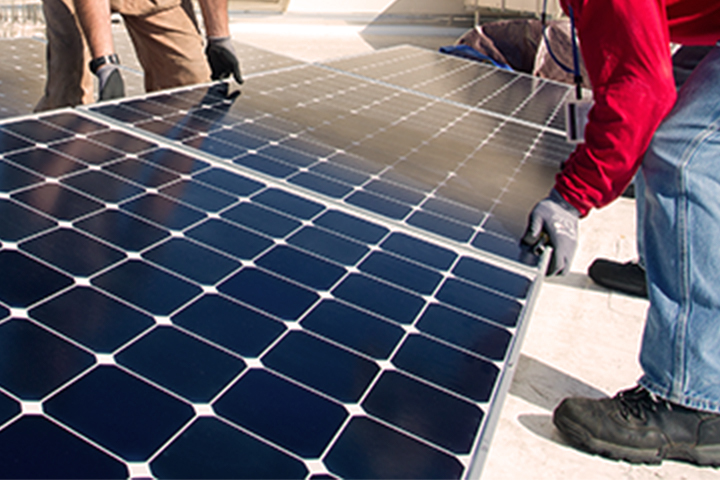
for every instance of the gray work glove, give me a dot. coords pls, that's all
(555, 221)
(222, 59)
(111, 84)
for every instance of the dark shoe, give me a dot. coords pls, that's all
(638, 427)
(627, 277)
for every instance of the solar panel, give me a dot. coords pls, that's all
(283, 283)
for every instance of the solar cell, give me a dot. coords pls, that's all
(306, 282)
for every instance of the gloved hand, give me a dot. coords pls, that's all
(556, 219)
(110, 81)
(222, 59)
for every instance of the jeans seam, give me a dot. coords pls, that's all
(680, 379)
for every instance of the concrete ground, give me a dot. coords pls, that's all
(582, 338)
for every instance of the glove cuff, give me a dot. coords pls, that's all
(557, 198)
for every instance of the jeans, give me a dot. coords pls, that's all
(680, 354)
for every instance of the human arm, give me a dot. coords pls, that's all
(219, 51)
(625, 46)
(94, 18)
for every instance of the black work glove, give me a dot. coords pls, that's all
(222, 59)
(556, 221)
(111, 84)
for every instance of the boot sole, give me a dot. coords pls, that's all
(707, 456)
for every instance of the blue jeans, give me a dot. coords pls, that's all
(680, 353)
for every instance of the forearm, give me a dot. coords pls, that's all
(94, 17)
(215, 17)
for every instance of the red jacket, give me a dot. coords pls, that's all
(625, 46)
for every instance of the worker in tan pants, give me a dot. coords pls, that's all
(165, 34)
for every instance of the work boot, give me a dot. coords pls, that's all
(638, 427)
(627, 277)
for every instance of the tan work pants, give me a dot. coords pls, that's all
(165, 34)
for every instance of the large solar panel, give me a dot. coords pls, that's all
(290, 282)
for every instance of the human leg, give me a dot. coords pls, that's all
(675, 412)
(68, 81)
(169, 47)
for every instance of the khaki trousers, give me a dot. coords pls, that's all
(165, 35)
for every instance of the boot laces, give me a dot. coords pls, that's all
(637, 401)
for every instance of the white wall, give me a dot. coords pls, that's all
(400, 7)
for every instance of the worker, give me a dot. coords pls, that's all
(167, 41)
(639, 121)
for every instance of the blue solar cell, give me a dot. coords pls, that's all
(267, 405)
(321, 185)
(215, 147)
(173, 160)
(340, 173)
(46, 162)
(288, 155)
(229, 324)
(235, 136)
(420, 251)
(10, 142)
(143, 173)
(262, 290)
(236, 241)
(164, 211)
(191, 260)
(329, 245)
(400, 272)
(198, 195)
(149, 107)
(120, 412)
(454, 211)
(119, 112)
(37, 131)
(308, 147)
(92, 318)
(465, 331)
(12, 177)
(74, 122)
(87, 151)
(25, 281)
(493, 277)
(289, 203)
(58, 201)
(230, 182)
(266, 165)
(191, 122)
(368, 449)
(395, 192)
(301, 267)
(320, 365)
(171, 131)
(480, 302)
(17, 222)
(147, 287)
(380, 298)
(261, 219)
(8, 408)
(74, 252)
(121, 229)
(442, 226)
(260, 131)
(122, 141)
(33, 373)
(439, 364)
(209, 449)
(35, 447)
(431, 414)
(191, 368)
(103, 186)
(355, 329)
(377, 204)
(505, 247)
(354, 227)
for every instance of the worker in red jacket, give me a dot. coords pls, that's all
(639, 122)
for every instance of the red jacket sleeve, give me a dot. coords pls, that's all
(626, 49)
